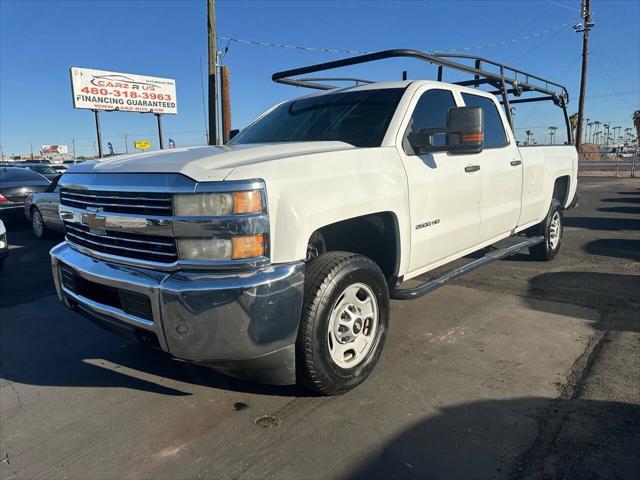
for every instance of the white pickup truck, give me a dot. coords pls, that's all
(274, 257)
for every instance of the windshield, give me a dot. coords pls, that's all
(359, 118)
(21, 174)
(44, 170)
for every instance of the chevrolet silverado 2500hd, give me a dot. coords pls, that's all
(274, 258)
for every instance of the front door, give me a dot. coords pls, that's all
(444, 189)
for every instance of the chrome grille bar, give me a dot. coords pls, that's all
(125, 239)
(144, 247)
(119, 202)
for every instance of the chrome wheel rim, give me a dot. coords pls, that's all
(38, 225)
(555, 230)
(353, 325)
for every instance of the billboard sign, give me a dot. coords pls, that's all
(54, 150)
(142, 144)
(103, 90)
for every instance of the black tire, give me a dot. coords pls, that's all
(43, 232)
(546, 250)
(327, 277)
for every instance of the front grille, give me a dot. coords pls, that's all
(129, 302)
(132, 245)
(145, 203)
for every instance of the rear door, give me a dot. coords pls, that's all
(48, 203)
(444, 189)
(501, 165)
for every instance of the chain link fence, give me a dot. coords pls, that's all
(609, 162)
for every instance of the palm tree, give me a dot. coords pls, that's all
(597, 129)
(573, 121)
(636, 122)
(552, 134)
(529, 134)
(585, 129)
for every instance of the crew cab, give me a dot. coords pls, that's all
(274, 257)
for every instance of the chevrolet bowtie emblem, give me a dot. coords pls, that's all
(94, 219)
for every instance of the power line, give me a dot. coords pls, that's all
(562, 5)
(460, 49)
(514, 40)
(282, 45)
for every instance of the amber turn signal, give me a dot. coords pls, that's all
(248, 247)
(247, 202)
(472, 137)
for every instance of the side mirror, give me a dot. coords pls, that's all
(464, 133)
(233, 133)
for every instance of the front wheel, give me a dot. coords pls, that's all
(344, 322)
(551, 228)
(37, 224)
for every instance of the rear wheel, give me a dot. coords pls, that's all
(344, 322)
(37, 224)
(551, 229)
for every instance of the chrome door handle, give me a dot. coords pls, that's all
(472, 168)
(515, 163)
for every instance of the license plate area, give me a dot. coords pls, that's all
(132, 303)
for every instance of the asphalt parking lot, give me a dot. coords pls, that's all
(518, 370)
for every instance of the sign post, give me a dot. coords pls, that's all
(160, 139)
(98, 132)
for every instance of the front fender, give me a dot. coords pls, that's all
(310, 192)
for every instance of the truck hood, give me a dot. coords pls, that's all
(204, 164)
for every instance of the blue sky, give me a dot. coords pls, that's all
(40, 40)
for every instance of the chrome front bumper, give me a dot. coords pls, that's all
(242, 323)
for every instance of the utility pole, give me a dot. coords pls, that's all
(73, 143)
(584, 28)
(225, 104)
(31, 148)
(126, 143)
(213, 66)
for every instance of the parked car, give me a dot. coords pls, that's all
(16, 184)
(274, 258)
(41, 210)
(4, 245)
(45, 170)
(59, 167)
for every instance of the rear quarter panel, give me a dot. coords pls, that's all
(542, 166)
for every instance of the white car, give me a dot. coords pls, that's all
(274, 258)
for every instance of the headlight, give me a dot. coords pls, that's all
(3, 242)
(217, 204)
(234, 248)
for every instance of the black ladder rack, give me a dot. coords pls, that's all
(510, 83)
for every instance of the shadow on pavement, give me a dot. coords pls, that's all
(576, 439)
(27, 272)
(621, 200)
(594, 290)
(624, 209)
(68, 351)
(614, 247)
(602, 223)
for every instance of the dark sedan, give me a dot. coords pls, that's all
(46, 171)
(16, 184)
